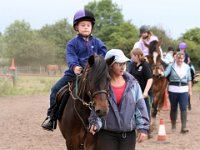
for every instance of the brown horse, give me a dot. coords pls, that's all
(52, 69)
(90, 93)
(159, 83)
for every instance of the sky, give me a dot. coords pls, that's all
(174, 16)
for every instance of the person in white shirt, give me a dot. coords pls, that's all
(169, 57)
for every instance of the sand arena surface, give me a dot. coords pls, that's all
(21, 117)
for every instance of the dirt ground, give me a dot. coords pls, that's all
(21, 117)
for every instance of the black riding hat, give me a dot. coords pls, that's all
(144, 29)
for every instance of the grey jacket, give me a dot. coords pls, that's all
(173, 77)
(130, 115)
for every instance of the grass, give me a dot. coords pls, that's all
(31, 85)
(196, 87)
(27, 85)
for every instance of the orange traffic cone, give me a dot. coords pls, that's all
(12, 67)
(166, 103)
(162, 131)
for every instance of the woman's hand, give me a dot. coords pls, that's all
(93, 129)
(190, 93)
(145, 95)
(141, 137)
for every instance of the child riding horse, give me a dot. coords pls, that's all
(90, 93)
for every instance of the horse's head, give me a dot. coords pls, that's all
(157, 69)
(154, 51)
(154, 57)
(96, 79)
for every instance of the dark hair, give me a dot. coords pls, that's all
(170, 48)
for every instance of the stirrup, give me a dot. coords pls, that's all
(54, 124)
(45, 120)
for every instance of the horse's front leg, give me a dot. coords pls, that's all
(73, 144)
(90, 142)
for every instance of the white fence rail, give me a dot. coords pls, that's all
(33, 70)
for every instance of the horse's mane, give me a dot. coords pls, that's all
(152, 47)
(99, 71)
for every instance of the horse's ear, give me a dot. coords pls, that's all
(91, 60)
(160, 42)
(110, 60)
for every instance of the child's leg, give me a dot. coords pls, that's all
(54, 90)
(51, 123)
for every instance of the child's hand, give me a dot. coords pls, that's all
(77, 70)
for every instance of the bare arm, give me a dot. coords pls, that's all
(148, 86)
(190, 88)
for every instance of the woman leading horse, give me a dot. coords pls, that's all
(90, 93)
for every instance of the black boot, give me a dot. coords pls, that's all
(183, 122)
(173, 116)
(50, 122)
(189, 104)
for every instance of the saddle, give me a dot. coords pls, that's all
(61, 92)
(61, 100)
(62, 97)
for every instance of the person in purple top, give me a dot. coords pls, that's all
(78, 50)
(182, 48)
(146, 37)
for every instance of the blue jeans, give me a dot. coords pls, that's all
(181, 98)
(54, 90)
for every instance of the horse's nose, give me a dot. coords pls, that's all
(101, 113)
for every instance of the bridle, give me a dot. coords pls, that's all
(78, 94)
(80, 90)
(155, 67)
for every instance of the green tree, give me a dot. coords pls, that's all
(37, 52)
(192, 35)
(58, 33)
(124, 37)
(110, 26)
(16, 35)
(106, 13)
(27, 46)
(192, 39)
(166, 40)
(3, 55)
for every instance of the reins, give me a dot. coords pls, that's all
(80, 91)
(82, 88)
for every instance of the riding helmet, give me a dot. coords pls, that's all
(182, 45)
(144, 29)
(82, 15)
